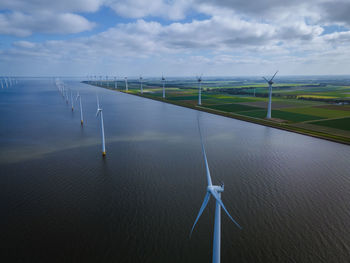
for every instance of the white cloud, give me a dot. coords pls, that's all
(23, 25)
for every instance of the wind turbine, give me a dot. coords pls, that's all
(107, 81)
(141, 84)
(115, 83)
(199, 79)
(163, 80)
(270, 82)
(2, 85)
(81, 109)
(71, 100)
(99, 112)
(7, 85)
(126, 83)
(215, 191)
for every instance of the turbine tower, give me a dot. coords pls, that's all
(2, 85)
(81, 109)
(126, 83)
(99, 112)
(141, 84)
(115, 83)
(270, 82)
(199, 79)
(215, 191)
(71, 100)
(163, 80)
(107, 81)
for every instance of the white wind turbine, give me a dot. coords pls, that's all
(99, 112)
(7, 85)
(107, 81)
(126, 83)
(2, 85)
(163, 80)
(81, 109)
(71, 100)
(66, 95)
(141, 85)
(215, 191)
(270, 82)
(115, 83)
(199, 79)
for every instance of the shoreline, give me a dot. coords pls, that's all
(281, 126)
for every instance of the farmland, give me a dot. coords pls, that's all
(321, 104)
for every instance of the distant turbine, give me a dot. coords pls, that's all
(115, 83)
(99, 112)
(107, 81)
(7, 85)
(71, 100)
(66, 95)
(270, 82)
(100, 80)
(199, 79)
(215, 191)
(81, 109)
(163, 80)
(141, 84)
(2, 85)
(126, 83)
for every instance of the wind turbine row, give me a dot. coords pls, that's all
(64, 92)
(61, 87)
(7, 82)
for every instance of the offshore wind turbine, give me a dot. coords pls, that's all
(215, 191)
(99, 112)
(163, 80)
(2, 85)
(107, 81)
(71, 100)
(81, 109)
(141, 84)
(115, 83)
(126, 83)
(270, 82)
(199, 79)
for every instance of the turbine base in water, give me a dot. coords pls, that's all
(103, 154)
(81, 122)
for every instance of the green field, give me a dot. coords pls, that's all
(342, 124)
(232, 107)
(321, 112)
(283, 115)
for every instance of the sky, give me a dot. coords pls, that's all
(174, 37)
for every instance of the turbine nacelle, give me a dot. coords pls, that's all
(216, 188)
(270, 82)
(99, 110)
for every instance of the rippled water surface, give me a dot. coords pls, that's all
(61, 201)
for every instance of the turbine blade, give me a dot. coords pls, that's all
(265, 79)
(204, 204)
(204, 156)
(273, 76)
(217, 197)
(98, 103)
(98, 111)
